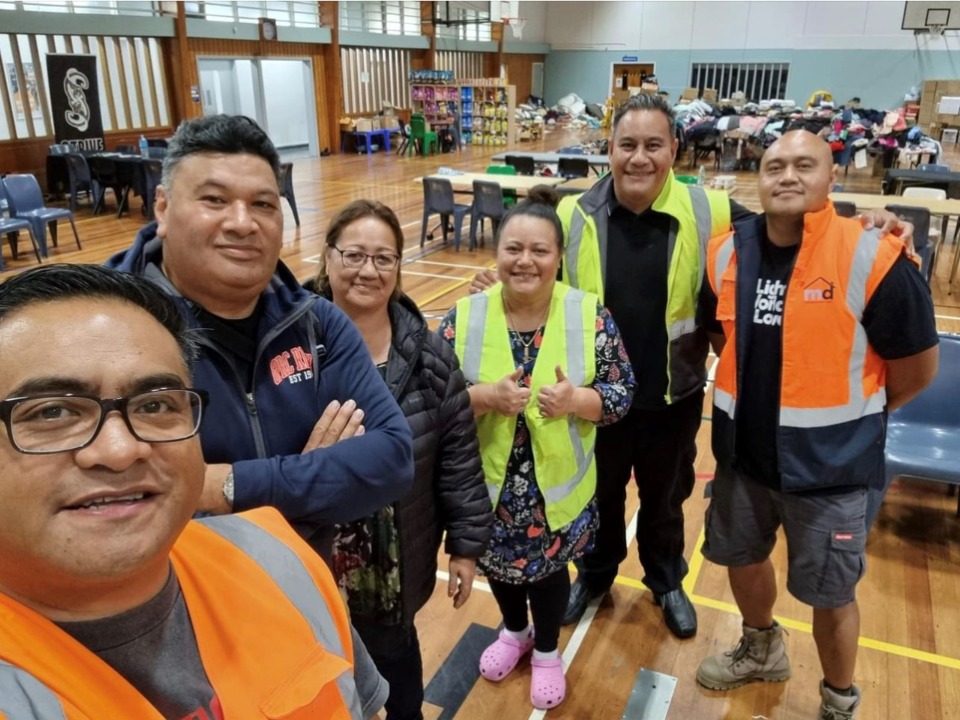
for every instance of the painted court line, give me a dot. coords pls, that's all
(947, 317)
(689, 583)
(453, 265)
(429, 275)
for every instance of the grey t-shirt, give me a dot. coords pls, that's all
(154, 648)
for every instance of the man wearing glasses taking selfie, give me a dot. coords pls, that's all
(113, 603)
(301, 420)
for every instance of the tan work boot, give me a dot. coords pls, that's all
(838, 707)
(760, 655)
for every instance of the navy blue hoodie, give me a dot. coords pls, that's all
(308, 353)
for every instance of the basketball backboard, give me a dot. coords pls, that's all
(926, 16)
(457, 12)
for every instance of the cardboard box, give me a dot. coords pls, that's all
(710, 95)
(363, 125)
(690, 94)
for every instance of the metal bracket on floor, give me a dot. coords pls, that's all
(651, 696)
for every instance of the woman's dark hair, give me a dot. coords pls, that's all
(541, 202)
(357, 210)
(226, 134)
(52, 283)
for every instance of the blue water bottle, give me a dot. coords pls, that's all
(143, 146)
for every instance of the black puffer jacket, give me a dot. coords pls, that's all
(449, 493)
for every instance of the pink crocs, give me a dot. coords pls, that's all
(502, 656)
(548, 686)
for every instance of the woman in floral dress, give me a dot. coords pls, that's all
(537, 430)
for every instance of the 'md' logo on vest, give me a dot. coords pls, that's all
(820, 290)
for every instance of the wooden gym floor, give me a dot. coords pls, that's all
(909, 661)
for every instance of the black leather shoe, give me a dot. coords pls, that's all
(678, 612)
(580, 595)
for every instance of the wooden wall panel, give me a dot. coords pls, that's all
(518, 73)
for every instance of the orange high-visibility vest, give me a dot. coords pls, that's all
(271, 629)
(832, 397)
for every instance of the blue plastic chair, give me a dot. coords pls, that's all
(26, 203)
(934, 167)
(922, 435)
(438, 198)
(11, 227)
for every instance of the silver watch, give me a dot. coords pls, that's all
(228, 488)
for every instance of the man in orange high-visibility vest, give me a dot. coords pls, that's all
(114, 604)
(827, 327)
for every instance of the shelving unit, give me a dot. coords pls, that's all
(482, 110)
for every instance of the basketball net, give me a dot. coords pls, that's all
(516, 26)
(936, 31)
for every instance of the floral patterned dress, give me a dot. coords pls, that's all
(524, 549)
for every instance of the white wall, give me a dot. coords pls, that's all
(286, 101)
(720, 24)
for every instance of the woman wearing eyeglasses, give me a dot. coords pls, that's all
(387, 563)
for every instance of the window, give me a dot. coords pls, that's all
(758, 81)
(100, 7)
(286, 13)
(386, 17)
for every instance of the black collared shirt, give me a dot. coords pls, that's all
(635, 292)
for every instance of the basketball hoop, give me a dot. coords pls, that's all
(516, 26)
(936, 31)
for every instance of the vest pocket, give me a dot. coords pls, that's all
(311, 686)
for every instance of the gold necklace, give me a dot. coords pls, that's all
(525, 344)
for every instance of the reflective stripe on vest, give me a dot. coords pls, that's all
(483, 348)
(287, 570)
(572, 254)
(858, 405)
(23, 697)
(856, 300)
(697, 215)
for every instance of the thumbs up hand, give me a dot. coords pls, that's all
(509, 397)
(556, 400)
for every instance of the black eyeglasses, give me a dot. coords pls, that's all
(42, 424)
(384, 262)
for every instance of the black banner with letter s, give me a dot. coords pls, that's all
(75, 98)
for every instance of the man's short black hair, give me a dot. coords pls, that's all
(645, 101)
(227, 134)
(63, 281)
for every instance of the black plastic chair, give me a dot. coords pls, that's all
(11, 227)
(920, 219)
(845, 209)
(286, 189)
(26, 203)
(487, 203)
(104, 172)
(152, 175)
(438, 198)
(523, 163)
(128, 149)
(573, 167)
(80, 179)
(405, 139)
(157, 142)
